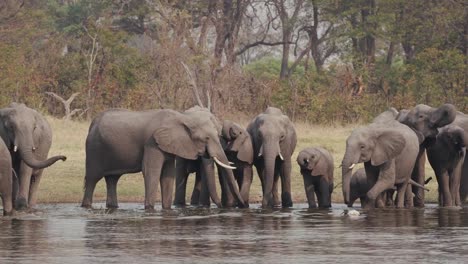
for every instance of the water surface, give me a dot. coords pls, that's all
(66, 233)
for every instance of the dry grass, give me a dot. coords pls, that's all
(63, 182)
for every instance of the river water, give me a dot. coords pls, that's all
(66, 233)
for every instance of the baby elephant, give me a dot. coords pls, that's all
(317, 170)
(358, 188)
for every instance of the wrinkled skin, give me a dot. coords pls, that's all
(28, 137)
(425, 120)
(6, 179)
(388, 150)
(446, 155)
(273, 136)
(358, 188)
(237, 145)
(317, 171)
(203, 168)
(461, 120)
(121, 141)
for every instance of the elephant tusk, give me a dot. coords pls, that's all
(231, 163)
(222, 164)
(15, 148)
(352, 166)
(281, 156)
(260, 152)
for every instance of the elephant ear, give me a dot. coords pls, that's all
(321, 167)
(443, 115)
(243, 146)
(388, 145)
(174, 137)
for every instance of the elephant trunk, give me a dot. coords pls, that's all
(28, 158)
(218, 155)
(208, 167)
(270, 152)
(346, 171)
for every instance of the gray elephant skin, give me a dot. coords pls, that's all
(28, 137)
(203, 167)
(388, 150)
(122, 141)
(358, 188)
(446, 154)
(6, 179)
(425, 120)
(237, 145)
(461, 120)
(316, 166)
(274, 140)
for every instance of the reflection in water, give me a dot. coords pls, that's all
(68, 234)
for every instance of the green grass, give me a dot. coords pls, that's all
(63, 181)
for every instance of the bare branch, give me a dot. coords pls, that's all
(193, 84)
(66, 104)
(261, 42)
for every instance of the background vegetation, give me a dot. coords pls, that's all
(321, 61)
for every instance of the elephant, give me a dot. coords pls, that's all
(201, 167)
(358, 188)
(274, 140)
(388, 150)
(317, 171)
(237, 145)
(446, 154)
(120, 141)
(6, 179)
(425, 120)
(28, 137)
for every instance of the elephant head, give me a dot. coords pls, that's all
(312, 160)
(194, 134)
(453, 136)
(426, 119)
(376, 144)
(21, 129)
(237, 140)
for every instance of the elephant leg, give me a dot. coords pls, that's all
(25, 174)
(455, 183)
(91, 179)
(324, 194)
(111, 186)
(34, 186)
(464, 180)
(153, 160)
(204, 198)
(260, 172)
(167, 183)
(418, 176)
(197, 188)
(6, 193)
(409, 202)
(447, 196)
(286, 183)
(401, 193)
(181, 184)
(309, 190)
(246, 183)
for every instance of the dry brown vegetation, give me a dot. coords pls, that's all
(63, 182)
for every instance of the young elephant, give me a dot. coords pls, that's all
(317, 171)
(446, 155)
(358, 188)
(237, 145)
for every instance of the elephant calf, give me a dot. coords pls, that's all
(358, 188)
(317, 171)
(446, 155)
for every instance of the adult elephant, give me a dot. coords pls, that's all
(388, 150)
(28, 136)
(446, 155)
(274, 140)
(121, 141)
(6, 179)
(425, 120)
(237, 145)
(461, 120)
(317, 171)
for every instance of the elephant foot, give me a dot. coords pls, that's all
(21, 204)
(179, 205)
(9, 213)
(286, 200)
(149, 208)
(112, 206)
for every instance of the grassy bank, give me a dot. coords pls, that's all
(63, 182)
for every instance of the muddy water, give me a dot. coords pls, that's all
(65, 233)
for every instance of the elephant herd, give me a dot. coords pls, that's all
(167, 145)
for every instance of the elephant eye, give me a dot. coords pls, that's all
(363, 147)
